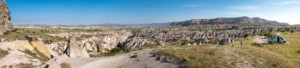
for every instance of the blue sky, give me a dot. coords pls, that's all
(74, 12)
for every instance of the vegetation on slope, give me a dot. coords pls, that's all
(65, 65)
(236, 55)
(3, 53)
(23, 33)
(37, 55)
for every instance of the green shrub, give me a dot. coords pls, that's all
(134, 55)
(65, 65)
(10, 66)
(269, 35)
(298, 52)
(256, 44)
(116, 50)
(23, 66)
(246, 35)
(149, 45)
(3, 53)
(37, 55)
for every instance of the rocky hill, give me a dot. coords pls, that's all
(236, 20)
(5, 23)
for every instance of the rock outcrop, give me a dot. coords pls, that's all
(237, 20)
(135, 42)
(5, 23)
(189, 36)
(93, 42)
(73, 50)
(24, 52)
(41, 47)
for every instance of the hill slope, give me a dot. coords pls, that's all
(236, 20)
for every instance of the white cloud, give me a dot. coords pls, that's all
(289, 3)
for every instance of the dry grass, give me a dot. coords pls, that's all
(37, 55)
(3, 53)
(65, 65)
(21, 33)
(246, 55)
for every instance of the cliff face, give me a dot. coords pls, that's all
(5, 23)
(237, 20)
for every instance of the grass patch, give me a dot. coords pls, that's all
(269, 56)
(3, 53)
(134, 55)
(112, 52)
(10, 66)
(22, 33)
(150, 45)
(23, 66)
(37, 55)
(256, 44)
(65, 65)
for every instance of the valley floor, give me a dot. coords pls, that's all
(137, 59)
(245, 55)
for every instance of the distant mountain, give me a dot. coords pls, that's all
(236, 20)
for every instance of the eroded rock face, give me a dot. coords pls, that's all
(95, 42)
(23, 52)
(73, 50)
(16, 57)
(135, 42)
(5, 23)
(41, 47)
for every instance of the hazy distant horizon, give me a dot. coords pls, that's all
(76, 12)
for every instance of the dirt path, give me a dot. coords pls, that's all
(143, 59)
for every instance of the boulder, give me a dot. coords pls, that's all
(73, 50)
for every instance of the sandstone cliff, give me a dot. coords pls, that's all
(5, 23)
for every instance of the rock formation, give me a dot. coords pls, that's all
(24, 52)
(5, 23)
(73, 50)
(237, 20)
(41, 47)
(93, 42)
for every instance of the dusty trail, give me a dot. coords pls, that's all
(144, 59)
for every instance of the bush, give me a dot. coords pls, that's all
(246, 35)
(256, 44)
(134, 55)
(65, 65)
(116, 50)
(3, 53)
(293, 30)
(269, 35)
(298, 52)
(23, 66)
(149, 45)
(37, 55)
